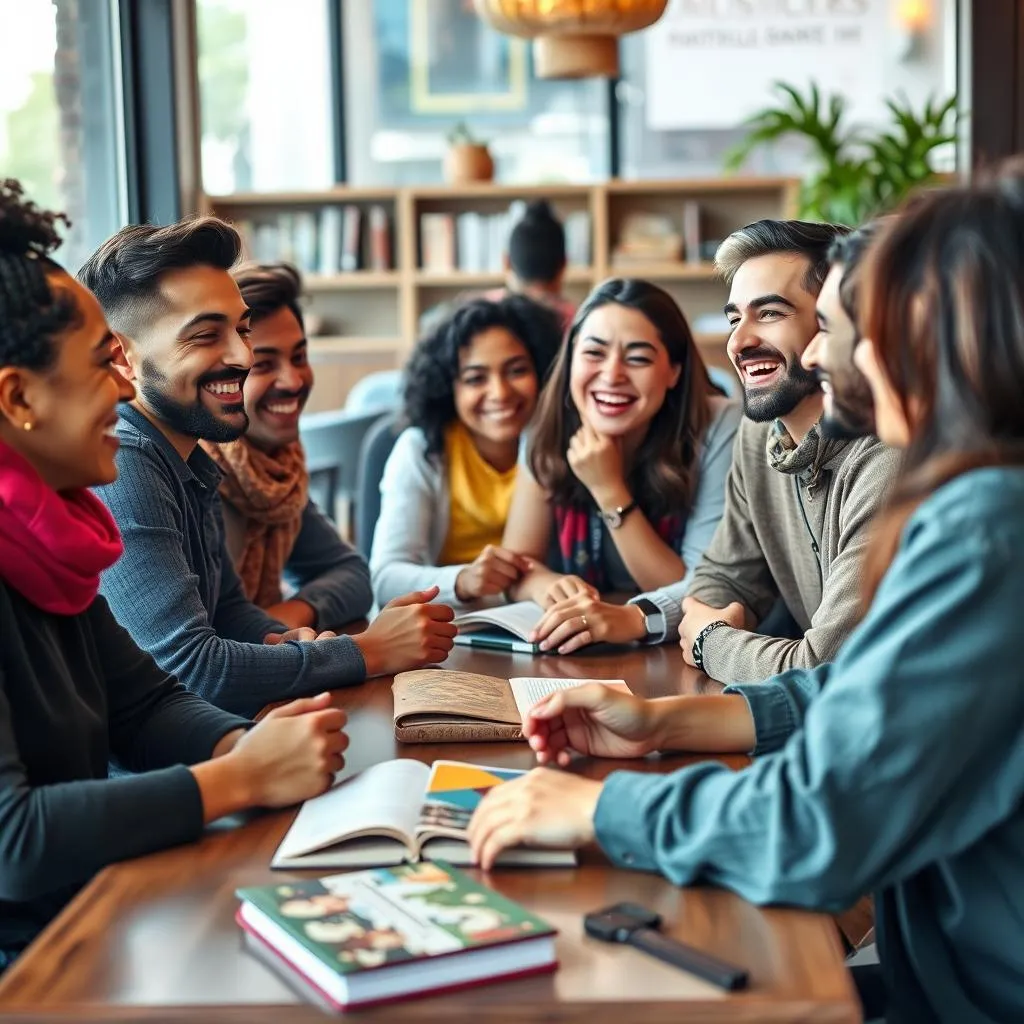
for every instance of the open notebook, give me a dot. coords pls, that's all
(437, 705)
(505, 628)
(399, 811)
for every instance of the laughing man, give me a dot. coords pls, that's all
(800, 497)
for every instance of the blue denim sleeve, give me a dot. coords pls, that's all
(883, 776)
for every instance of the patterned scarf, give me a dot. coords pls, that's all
(581, 537)
(53, 546)
(806, 459)
(270, 493)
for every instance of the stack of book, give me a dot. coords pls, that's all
(330, 240)
(392, 933)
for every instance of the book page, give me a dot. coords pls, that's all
(527, 690)
(436, 691)
(518, 618)
(383, 800)
(453, 793)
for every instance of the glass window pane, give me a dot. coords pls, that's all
(416, 68)
(265, 95)
(60, 125)
(891, 63)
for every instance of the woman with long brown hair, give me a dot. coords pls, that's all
(628, 457)
(899, 768)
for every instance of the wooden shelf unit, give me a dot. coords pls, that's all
(369, 319)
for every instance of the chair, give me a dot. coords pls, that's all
(376, 447)
(381, 390)
(332, 441)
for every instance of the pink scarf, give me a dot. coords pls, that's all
(53, 546)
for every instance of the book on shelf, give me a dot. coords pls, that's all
(647, 238)
(351, 228)
(692, 232)
(330, 241)
(577, 238)
(436, 705)
(379, 236)
(397, 811)
(371, 937)
(437, 242)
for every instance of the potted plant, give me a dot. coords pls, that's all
(858, 173)
(467, 159)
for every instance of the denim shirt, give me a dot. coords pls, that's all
(897, 769)
(175, 589)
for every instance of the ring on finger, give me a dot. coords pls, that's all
(583, 619)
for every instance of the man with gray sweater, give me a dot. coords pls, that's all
(800, 499)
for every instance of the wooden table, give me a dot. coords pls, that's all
(155, 939)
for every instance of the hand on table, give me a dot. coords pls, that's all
(409, 632)
(576, 621)
(593, 720)
(544, 808)
(293, 753)
(697, 615)
(493, 571)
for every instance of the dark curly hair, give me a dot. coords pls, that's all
(268, 287)
(663, 477)
(430, 374)
(31, 313)
(124, 272)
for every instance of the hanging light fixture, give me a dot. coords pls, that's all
(572, 38)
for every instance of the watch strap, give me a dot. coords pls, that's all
(653, 616)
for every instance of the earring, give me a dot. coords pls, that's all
(27, 425)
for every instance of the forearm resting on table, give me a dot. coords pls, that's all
(223, 784)
(294, 614)
(719, 724)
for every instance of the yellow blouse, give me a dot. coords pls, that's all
(480, 497)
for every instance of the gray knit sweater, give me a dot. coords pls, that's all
(795, 526)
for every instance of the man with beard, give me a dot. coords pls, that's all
(800, 499)
(183, 330)
(273, 529)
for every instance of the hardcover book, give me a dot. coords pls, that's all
(392, 933)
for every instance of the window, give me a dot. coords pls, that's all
(916, 65)
(265, 95)
(60, 117)
(414, 69)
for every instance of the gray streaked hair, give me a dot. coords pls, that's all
(804, 238)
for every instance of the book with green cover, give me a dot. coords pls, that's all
(373, 936)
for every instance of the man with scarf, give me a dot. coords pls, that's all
(802, 492)
(274, 532)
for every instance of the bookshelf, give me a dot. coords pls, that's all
(376, 259)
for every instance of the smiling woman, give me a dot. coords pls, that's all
(627, 467)
(471, 388)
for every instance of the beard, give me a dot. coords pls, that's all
(852, 413)
(762, 405)
(192, 419)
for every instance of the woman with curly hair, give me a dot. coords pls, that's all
(471, 387)
(627, 466)
(75, 690)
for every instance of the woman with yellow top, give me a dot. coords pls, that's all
(471, 387)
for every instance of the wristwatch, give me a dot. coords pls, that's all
(654, 619)
(615, 517)
(698, 645)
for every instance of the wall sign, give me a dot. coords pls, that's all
(712, 63)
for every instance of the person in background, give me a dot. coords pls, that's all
(183, 340)
(535, 262)
(627, 465)
(272, 528)
(75, 690)
(899, 767)
(471, 387)
(799, 502)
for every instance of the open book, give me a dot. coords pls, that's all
(399, 811)
(504, 628)
(436, 705)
